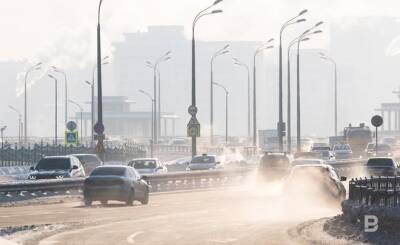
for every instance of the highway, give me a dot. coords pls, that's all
(247, 215)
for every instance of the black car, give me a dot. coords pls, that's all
(273, 166)
(57, 167)
(382, 166)
(117, 182)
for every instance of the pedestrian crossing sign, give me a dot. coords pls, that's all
(71, 138)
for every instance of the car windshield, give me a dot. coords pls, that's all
(203, 159)
(109, 171)
(144, 164)
(54, 164)
(380, 162)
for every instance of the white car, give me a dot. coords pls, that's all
(146, 166)
(204, 162)
(342, 151)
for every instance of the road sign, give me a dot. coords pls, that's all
(71, 125)
(377, 121)
(193, 128)
(71, 138)
(99, 128)
(192, 110)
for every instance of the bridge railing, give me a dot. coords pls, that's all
(379, 191)
(12, 155)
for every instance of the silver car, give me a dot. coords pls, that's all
(146, 166)
(204, 162)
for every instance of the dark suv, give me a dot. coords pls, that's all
(57, 167)
(273, 166)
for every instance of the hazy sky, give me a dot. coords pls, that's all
(62, 32)
(66, 29)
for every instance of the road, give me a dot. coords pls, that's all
(247, 215)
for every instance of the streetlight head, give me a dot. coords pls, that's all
(303, 12)
(167, 58)
(225, 52)
(269, 47)
(38, 64)
(307, 31)
(216, 2)
(319, 23)
(51, 76)
(300, 20)
(322, 54)
(305, 39)
(38, 68)
(317, 31)
(167, 53)
(106, 57)
(217, 11)
(105, 63)
(88, 82)
(226, 46)
(149, 63)
(270, 40)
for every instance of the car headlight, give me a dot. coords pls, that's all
(32, 177)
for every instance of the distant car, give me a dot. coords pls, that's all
(314, 182)
(317, 147)
(307, 162)
(88, 161)
(342, 151)
(273, 166)
(178, 164)
(115, 182)
(56, 167)
(326, 155)
(178, 141)
(204, 162)
(384, 150)
(382, 166)
(148, 166)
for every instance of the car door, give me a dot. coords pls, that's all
(137, 182)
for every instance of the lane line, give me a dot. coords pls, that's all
(130, 239)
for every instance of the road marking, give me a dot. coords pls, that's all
(130, 239)
(224, 241)
(48, 242)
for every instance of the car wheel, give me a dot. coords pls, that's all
(145, 200)
(131, 198)
(104, 202)
(88, 202)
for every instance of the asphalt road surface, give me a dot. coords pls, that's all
(247, 215)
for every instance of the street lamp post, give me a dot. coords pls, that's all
(226, 110)
(55, 107)
(152, 119)
(100, 139)
(220, 52)
(81, 114)
(157, 90)
(33, 68)
(323, 56)
(19, 123)
(66, 93)
(104, 62)
(245, 66)
(280, 122)
(299, 41)
(289, 113)
(196, 19)
(256, 53)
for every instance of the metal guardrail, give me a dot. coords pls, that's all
(12, 155)
(379, 191)
(159, 182)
